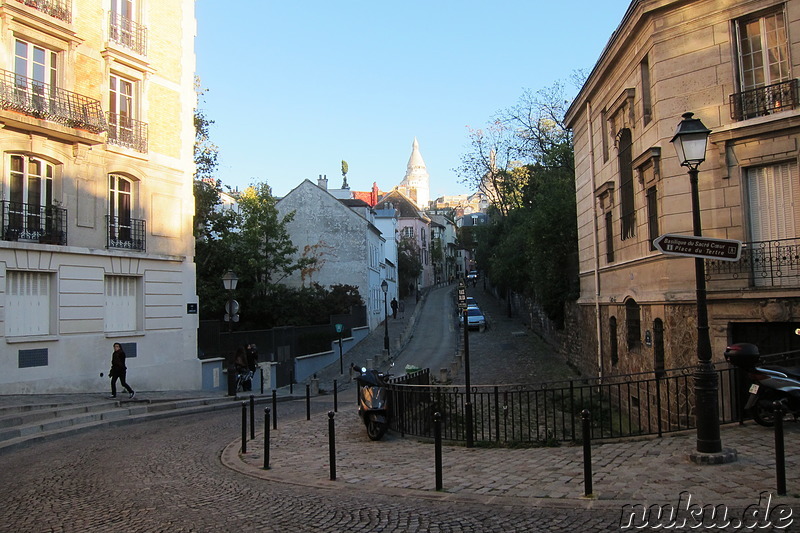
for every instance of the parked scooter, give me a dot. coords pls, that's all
(373, 400)
(769, 383)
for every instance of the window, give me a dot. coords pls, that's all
(29, 192)
(647, 106)
(122, 129)
(652, 216)
(626, 185)
(36, 76)
(125, 28)
(27, 303)
(408, 232)
(123, 230)
(609, 238)
(120, 304)
(633, 323)
(612, 333)
(763, 50)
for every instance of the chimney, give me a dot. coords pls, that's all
(322, 182)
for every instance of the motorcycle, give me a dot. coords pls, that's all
(373, 402)
(769, 384)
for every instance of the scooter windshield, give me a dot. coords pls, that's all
(374, 397)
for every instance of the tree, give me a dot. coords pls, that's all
(409, 265)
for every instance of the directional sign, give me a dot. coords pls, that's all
(703, 247)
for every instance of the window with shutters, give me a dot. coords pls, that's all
(121, 305)
(633, 323)
(28, 303)
(627, 203)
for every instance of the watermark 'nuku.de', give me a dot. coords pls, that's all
(687, 515)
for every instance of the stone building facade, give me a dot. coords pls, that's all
(735, 66)
(96, 203)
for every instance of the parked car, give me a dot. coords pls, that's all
(475, 318)
(472, 275)
(471, 302)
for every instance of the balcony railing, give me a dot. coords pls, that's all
(55, 8)
(126, 233)
(128, 33)
(127, 132)
(762, 264)
(40, 100)
(764, 101)
(33, 222)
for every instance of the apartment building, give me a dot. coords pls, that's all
(96, 204)
(735, 66)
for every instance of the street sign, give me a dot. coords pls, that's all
(462, 298)
(703, 247)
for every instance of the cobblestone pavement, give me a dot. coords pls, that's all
(188, 474)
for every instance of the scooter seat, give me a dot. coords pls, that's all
(792, 371)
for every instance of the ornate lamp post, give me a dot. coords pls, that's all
(690, 142)
(385, 289)
(229, 281)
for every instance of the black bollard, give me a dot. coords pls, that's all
(266, 438)
(437, 448)
(586, 417)
(780, 458)
(335, 398)
(244, 427)
(308, 402)
(291, 382)
(261, 373)
(252, 417)
(274, 409)
(332, 444)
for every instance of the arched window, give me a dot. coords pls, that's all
(29, 192)
(658, 347)
(627, 204)
(633, 323)
(612, 326)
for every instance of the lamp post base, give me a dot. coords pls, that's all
(727, 455)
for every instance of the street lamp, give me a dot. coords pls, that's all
(229, 281)
(385, 289)
(690, 142)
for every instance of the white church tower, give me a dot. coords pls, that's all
(416, 184)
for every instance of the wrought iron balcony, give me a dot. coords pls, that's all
(127, 132)
(764, 101)
(33, 222)
(55, 8)
(763, 264)
(126, 233)
(40, 100)
(128, 33)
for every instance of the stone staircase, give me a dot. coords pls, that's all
(30, 422)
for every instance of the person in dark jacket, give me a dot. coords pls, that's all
(118, 371)
(394, 307)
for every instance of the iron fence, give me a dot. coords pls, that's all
(127, 132)
(762, 264)
(621, 406)
(127, 32)
(55, 8)
(45, 101)
(128, 233)
(763, 101)
(33, 222)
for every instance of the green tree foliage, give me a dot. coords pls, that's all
(409, 265)
(525, 159)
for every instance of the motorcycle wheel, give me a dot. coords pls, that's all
(375, 430)
(763, 412)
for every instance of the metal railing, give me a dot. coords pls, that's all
(621, 406)
(128, 33)
(55, 8)
(127, 132)
(44, 101)
(762, 264)
(126, 233)
(764, 101)
(33, 222)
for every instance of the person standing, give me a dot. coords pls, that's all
(394, 307)
(118, 371)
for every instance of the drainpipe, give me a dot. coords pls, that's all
(595, 245)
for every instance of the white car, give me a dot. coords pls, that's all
(475, 318)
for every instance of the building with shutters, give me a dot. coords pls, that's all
(96, 204)
(735, 66)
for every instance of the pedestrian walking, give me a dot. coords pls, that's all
(394, 307)
(119, 371)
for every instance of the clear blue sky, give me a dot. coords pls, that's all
(296, 87)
